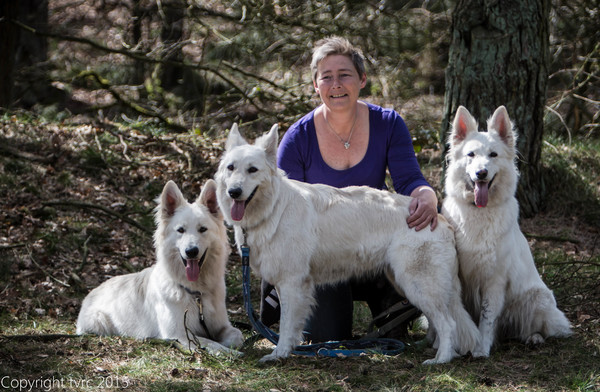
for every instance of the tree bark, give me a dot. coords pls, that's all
(9, 36)
(171, 35)
(21, 77)
(499, 56)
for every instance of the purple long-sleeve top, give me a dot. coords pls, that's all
(390, 145)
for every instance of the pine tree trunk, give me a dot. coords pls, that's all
(499, 56)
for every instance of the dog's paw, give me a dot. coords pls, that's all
(478, 353)
(276, 355)
(233, 338)
(535, 339)
(270, 358)
(215, 348)
(436, 361)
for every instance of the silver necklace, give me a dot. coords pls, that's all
(346, 143)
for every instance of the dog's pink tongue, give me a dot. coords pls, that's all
(237, 210)
(481, 194)
(192, 270)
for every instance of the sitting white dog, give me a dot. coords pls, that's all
(502, 288)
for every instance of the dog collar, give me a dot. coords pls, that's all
(190, 291)
(251, 195)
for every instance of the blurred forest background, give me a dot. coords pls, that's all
(200, 65)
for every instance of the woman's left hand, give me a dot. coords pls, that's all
(423, 209)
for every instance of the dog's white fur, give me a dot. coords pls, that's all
(153, 302)
(501, 286)
(301, 235)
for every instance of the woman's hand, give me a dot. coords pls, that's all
(423, 209)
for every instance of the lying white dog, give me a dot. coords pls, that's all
(301, 235)
(191, 249)
(501, 286)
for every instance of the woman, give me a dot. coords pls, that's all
(346, 142)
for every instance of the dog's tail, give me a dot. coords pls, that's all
(535, 312)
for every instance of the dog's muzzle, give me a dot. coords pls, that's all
(193, 265)
(481, 189)
(238, 208)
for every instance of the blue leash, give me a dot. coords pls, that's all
(344, 348)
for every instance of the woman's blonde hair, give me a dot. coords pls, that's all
(336, 45)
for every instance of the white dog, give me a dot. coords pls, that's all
(501, 286)
(301, 235)
(191, 249)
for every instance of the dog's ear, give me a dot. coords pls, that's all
(170, 198)
(269, 142)
(501, 124)
(463, 124)
(234, 139)
(208, 197)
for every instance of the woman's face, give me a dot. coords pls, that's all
(337, 81)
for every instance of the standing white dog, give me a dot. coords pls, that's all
(191, 249)
(501, 286)
(301, 235)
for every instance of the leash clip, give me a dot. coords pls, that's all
(245, 255)
(245, 249)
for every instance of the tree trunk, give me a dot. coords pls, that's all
(171, 36)
(23, 79)
(9, 36)
(499, 56)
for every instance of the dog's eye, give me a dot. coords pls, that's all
(230, 167)
(180, 230)
(493, 154)
(202, 229)
(471, 154)
(252, 169)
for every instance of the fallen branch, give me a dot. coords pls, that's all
(107, 211)
(37, 338)
(12, 246)
(551, 238)
(7, 150)
(48, 274)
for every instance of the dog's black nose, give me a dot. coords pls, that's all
(192, 252)
(482, 174)
(235, 192)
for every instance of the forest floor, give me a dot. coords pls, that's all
(77, 206)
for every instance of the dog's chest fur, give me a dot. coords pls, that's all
(479, 233)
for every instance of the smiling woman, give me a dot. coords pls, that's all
(346, 142)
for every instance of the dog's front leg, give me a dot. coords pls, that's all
(217, 321)
(492, 303)
(296, 299)
(177, 320)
